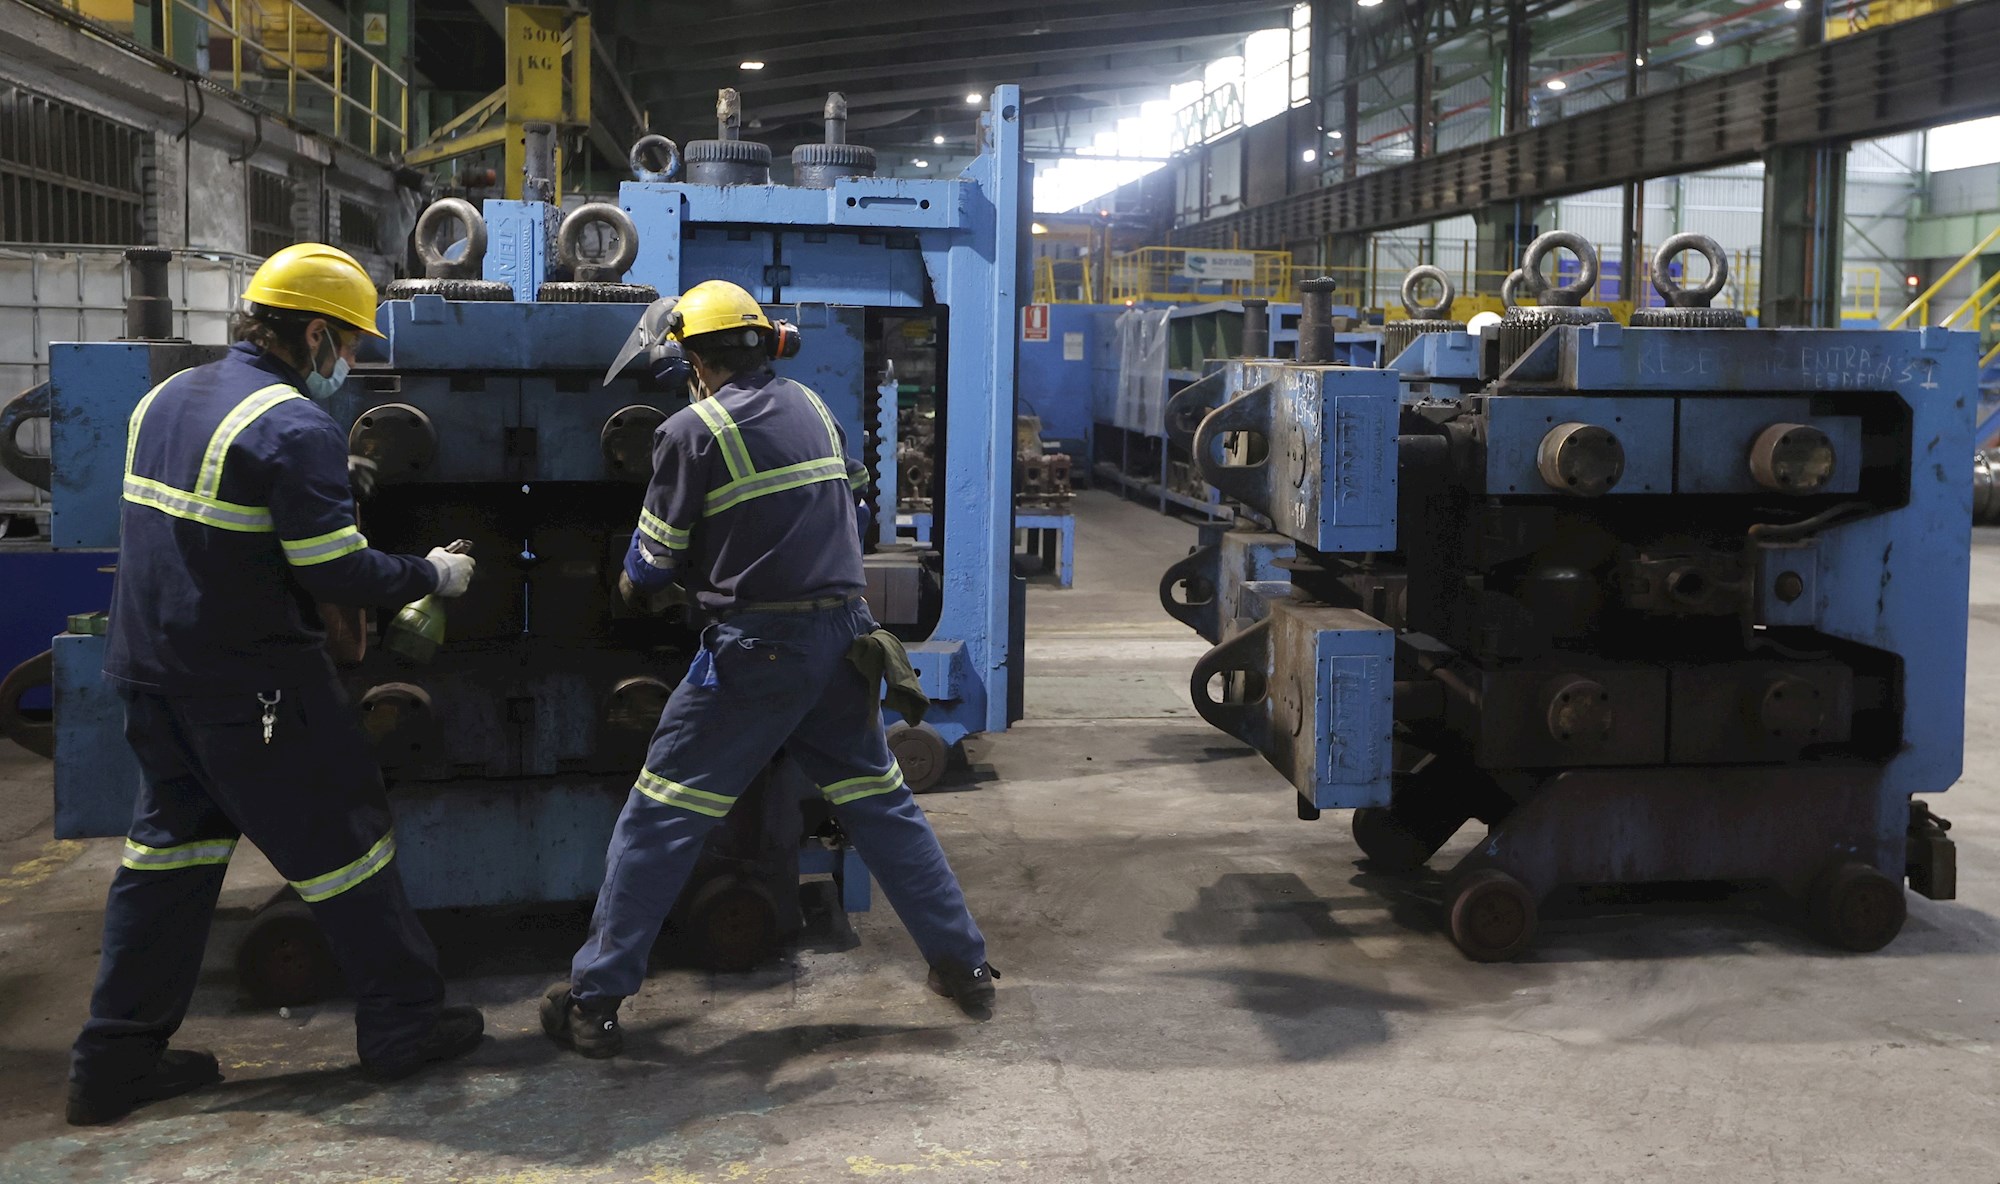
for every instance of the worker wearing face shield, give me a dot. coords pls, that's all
(752, 510)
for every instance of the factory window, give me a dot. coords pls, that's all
(358, 226)
(270, 212)
(1272, 74)
(67, 175)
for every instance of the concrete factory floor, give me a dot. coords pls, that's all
(1197, 987)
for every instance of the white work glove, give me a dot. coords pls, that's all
(454, 572)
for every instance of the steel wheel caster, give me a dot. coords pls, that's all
(733, 924)
(1856, 907)
(284, 961)
(1387, 843)
(922, 753)
(1492, 916)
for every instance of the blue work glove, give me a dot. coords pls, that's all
(644, 575)
(647, 588)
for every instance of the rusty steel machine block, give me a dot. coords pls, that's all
(1654, 605)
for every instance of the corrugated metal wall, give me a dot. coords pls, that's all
(1965, 191)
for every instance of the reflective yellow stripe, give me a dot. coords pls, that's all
(202, 852)
(673, 793)
(858, 479)
(735, 453)
(323, 548)
(209, 482)
(656, 528)
(200, 504)
(746, 480)
(776, 481)
(826, 417)
(855, 788)
(206, 510)
(334, 883)
(139, 414)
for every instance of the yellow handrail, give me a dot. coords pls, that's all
(234, 18)
(1924, 301)
(1978, 294)
(1048, 288)
(1989, 358)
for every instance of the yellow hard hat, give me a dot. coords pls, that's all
(714, 305)
(313, 277)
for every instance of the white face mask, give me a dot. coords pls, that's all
(321, 386)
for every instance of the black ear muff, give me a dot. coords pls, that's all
(784, 341)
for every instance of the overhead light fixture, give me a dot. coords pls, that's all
(937, 139)
(1334, 134)
(750, 65)
(973, 99)
(1037, 228)
(922, 164)
(1706, 38)
(1558, 84)
(1795, 5)
(1309, 156)
(1638, 61)
(1367, 3)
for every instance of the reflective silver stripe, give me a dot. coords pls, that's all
(854, 789)
(656, 528)
(662, 562)
(673, 793)
(138, 416)
(207, 511)
(201, 505)
(776, 481)
(735, 453)
(209, 482)
(324, 548)
(336, 882)
(826, 417)
(202, 852)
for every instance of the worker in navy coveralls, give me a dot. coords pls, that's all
(752, 507)
(237, 520)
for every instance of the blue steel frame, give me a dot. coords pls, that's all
(880, 242)
(1064, 526)
(965, 257)
(1895, 579)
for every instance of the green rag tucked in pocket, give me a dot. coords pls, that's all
(880, 655)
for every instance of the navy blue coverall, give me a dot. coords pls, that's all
(236, 519)
(751, 505)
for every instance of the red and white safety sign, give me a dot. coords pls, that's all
(1035, 322)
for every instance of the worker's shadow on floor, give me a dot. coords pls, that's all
(520, 1095)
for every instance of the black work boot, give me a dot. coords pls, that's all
(972, 989)
(177, 1073)
(458, 1031)
(589, 1028)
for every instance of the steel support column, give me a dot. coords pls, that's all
(1520, 43)
(1638, 22)
(1501, 233)
(1423, 114)
(1805, 188)
(1350, 102)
